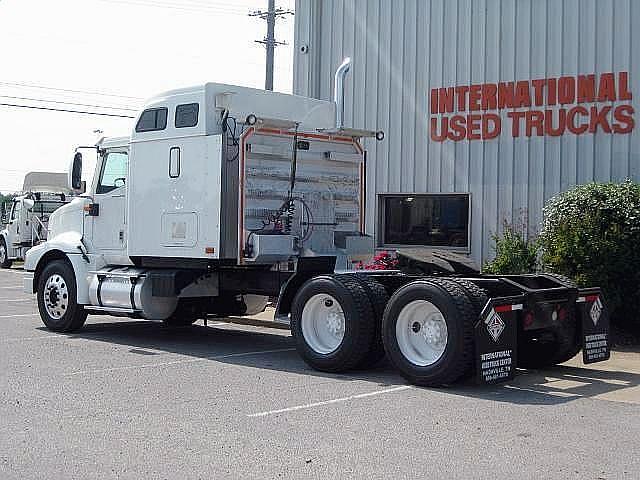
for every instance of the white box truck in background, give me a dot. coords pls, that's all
(224, 196)
(26, 216)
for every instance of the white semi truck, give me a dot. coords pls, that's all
(224, 196)
(27, 215)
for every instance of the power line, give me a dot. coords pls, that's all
(224, 9)
(51, 109)
(69, 103)
(87, 92)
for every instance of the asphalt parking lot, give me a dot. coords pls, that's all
(133, 399)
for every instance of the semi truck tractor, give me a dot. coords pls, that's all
(27, 215)
(224, 197)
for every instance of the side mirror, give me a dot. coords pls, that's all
(29, 203)
(74, 179)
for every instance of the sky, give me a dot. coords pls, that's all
(108, 56)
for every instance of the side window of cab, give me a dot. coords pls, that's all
(14, 210)
(114, 172)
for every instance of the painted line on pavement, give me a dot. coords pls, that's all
(21, 315)
(329, 402)
(178, 362)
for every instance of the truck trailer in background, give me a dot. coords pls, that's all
(26, 217)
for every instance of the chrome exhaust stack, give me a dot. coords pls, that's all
(338, 91)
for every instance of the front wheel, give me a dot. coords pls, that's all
(4, 254)
(57, 300)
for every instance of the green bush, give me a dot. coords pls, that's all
(592, 234)
(515, 253)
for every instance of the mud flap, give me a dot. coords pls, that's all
(496, 338)
(596, 345)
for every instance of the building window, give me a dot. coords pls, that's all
(187, 115)
(434, 220)
(152, 119)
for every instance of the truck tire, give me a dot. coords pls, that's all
(476, 295)
(185, 314)
(427, 331)
(4, 254)
(379, 298)
(551, 346)
(331, 323)
(56, 294)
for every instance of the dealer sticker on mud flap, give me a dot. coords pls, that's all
(496, 336)
(595, 328)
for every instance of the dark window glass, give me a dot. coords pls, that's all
(152, 119)
(187, 115)
(431, 220)
(14, 210)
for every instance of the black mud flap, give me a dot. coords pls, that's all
(596, 345)
(496, 339)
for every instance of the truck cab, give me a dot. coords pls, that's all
(26, 217)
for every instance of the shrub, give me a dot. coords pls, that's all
(592, 234)
(515, 252)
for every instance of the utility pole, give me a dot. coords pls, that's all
(270, 40)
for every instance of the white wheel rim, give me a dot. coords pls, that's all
(421, 332)
(323, 323)
(3, 253)
(56, 296)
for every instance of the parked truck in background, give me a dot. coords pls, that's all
(224, 196)
(25, 218)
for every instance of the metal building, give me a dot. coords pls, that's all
(536, 95)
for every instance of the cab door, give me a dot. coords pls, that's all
(109, 221)
(13, 228)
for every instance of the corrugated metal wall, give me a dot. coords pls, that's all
(403, 48)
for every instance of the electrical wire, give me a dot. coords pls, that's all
(51, 109)
(69, 103)
(223, 9)
(87, 92)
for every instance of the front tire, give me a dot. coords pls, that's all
(57, 298)
(332, 323)
(427, 331)
(4, 254)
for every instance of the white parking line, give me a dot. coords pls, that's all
(38, 337)
(178, 362)
(13, 300)
(21, 315)
(13, 287)
(329, 402)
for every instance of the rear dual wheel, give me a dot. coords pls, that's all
(427, 331)
(332, 322)
(554, 345)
